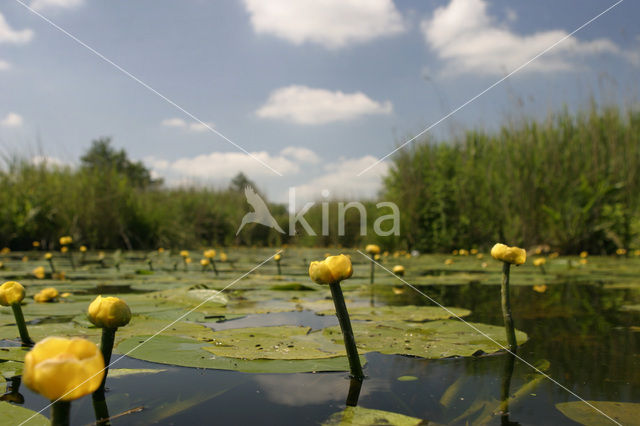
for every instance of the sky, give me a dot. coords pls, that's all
(302, 94)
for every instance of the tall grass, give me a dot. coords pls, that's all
(571, 181)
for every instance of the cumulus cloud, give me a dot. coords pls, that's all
(221, 166)
(330, 23)
(306, 105)
(469, 40)
(340, 180)
(194, 126)
(11, 120)
(10, 36)
(40, 5)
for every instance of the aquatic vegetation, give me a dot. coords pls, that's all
(47, 295)
(509, 256)
(12, 294)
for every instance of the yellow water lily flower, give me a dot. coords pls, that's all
(621, 251)
(184, 253)
(66, 240)
(331, 270)
(64, 249)
(584, 254)
(83, 249)
(372, 249)
(554, 255)
(11, 293)
(541, 288)
(109, 312)
(160, 249)
(277, 257)
(5, 250)
(65, 369)
(479, 256)
(210, 254)
(35, 244)
(205, 262)
(45, 295)
(463, 252)
(223, 257)
(398, 270)
(512, 255)
(584, 261)
(39, 272)
(539, 261)
(48, 256)
(473, 251)
(448, 261)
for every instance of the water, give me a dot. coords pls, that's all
(592, 348)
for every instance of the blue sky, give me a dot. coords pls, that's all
(318, 90)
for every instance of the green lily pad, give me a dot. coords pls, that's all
(188, 352)
(626, 413)
(14, 414)
(407, 379)
(367, 416)
(9, 369)
(281, 342)
(434, 339)
(122, 372)
(13, 353)
(3, 384)
(400, 313)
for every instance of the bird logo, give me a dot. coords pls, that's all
(261, 213)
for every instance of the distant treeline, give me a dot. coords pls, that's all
(571, 182)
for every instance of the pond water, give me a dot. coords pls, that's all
(591, 347)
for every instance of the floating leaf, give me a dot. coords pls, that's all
(14, 415)
(434, 339)
(367, 416)
(122, 372)
(14, 353)
(280, 342)
(626, 413)
(401, 313)
(9, 369)
(187, 352)
(407, 379)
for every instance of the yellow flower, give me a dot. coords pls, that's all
(385, 254)
(109, 312)
(554, 255)
(65, 295)
(184, 253)
(204, 262)
(66, 240)
(372, 249)
(396, 254)
(376, 257)
(331, 270)
(454, 252)
(621, 252)
(209, 254)
(584, 254)
(398, 270)
(25, 258)
(463, 252)
(473, 251)
(11, 293)
(541, 288)
(277, 257)
(583, 261)
(223, 257)
(539, 261)
(66, 369)
(5, 250)
(100, 255)
(83, 249)
(48, 294)
(513, 255)
(160, 250)
(484, 264)
(35, 244)
(48, 256)
(38, 272)
(64, 249)
(637, 252)
(479, 256)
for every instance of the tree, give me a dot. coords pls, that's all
(102, 157)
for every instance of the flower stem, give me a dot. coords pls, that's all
(100, 409)
(507, 373)
(354, 392)
(213, 265)
(106, 347)
(506, 308)
(22, 326)
(279, 270)
(53, 269)
(347, 332)
(372, 268)
(60, 413)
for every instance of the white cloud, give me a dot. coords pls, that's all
(11, 120)
(9, 35)
(331, 23)
(341, 180)
(305, 105)
(55, 4)
(469, 40)
(49, 161)
(195, 126)
(221, 166)
(303, 155)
